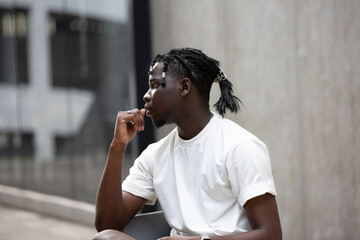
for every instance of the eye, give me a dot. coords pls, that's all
(154, 85)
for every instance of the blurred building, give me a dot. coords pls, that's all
(64, 73)
(66, 69)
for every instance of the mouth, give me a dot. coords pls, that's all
(148, 110)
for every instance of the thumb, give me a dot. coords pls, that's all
(142, 111)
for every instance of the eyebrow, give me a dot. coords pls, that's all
(154, 80)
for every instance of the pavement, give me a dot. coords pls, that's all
(18, 224)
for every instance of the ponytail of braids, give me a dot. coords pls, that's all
(227, 100)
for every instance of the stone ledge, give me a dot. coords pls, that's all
(59, 207)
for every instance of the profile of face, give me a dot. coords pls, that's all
(161, 99)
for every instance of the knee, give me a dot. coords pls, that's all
(108, 234)
(111, 234)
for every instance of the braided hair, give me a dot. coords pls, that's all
(202, 72)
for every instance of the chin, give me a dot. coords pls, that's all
(160, 123)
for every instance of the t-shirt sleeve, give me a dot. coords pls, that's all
(249, 170)
(139, 182)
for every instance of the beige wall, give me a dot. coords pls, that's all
(295, 65)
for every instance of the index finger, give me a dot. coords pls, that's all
(137, 117)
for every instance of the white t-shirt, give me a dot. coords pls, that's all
(203, 183)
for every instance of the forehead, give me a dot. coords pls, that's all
(156, 70)
(157, 73)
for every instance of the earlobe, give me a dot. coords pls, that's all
(185, 85)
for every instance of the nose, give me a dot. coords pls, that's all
(147, 96)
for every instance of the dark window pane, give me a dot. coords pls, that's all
(13, 45)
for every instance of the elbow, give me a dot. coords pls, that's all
(278, 231)
(280, 235)
(98, 225)
(269, 233)
(101, 225)
(275, 234)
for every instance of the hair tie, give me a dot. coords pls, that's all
(220, 77)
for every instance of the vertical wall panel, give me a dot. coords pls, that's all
(329, 33)
(294, 65)
(263, 66)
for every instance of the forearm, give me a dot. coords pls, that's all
(109, 203)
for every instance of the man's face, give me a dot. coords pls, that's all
(160, 99)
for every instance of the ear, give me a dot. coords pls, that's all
(185, 87)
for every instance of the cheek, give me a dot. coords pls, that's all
(155, 96)
(163, 97)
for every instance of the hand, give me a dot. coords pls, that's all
(127, 124)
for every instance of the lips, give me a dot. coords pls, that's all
(148, 110)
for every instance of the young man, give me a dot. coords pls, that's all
(212, 178)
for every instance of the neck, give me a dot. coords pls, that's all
(192, 123)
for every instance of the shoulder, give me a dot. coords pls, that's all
(233, 135)
(240, 147)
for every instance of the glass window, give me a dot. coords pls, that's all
(13, 45)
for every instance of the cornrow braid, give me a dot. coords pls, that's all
(202, 71)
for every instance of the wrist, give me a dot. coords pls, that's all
(116, 145)
(117, 150)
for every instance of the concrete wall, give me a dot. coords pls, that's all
(295, 65)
